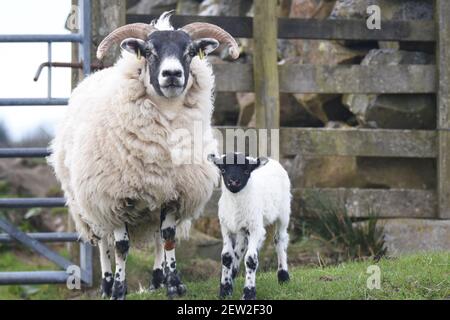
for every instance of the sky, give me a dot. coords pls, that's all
(18, 63)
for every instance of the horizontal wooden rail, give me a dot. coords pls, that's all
(358, 142)
(392, 203)
(296, 78)
(241, 27)
(340, 142)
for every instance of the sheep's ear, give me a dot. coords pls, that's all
(136, 46)
(262, 161)
(205, 45)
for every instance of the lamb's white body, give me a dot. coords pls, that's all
(115, 143)
(265, 200)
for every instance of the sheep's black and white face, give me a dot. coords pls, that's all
(236, 169)
(168, 55)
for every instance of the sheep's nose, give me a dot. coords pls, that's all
(235, 183)
(172, 73)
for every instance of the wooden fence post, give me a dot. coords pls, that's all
(265, 68)
(443, 105)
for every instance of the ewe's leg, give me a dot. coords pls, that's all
(168, 230)
(226, 281)
(158, 266)
(105, 263)
(255, 239)
(239, 252)
(121, 245)
(281, 243)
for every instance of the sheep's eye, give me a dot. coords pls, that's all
(192, 53)
(247, 172)
(222, 170)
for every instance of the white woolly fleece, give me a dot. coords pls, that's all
(114, 144)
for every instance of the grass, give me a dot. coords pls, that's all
(420, 276)
(26, 261)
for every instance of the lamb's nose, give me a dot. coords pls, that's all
(235, 183)
(172, 73)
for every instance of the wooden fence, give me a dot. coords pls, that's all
(269, 79)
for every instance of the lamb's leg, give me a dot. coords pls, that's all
(105, 263)
(226, 281)
(121, 246)
(239, 252)
(158, 266)
(168, 231)
(255, 239)
(281, 243)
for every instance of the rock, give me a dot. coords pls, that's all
(412, 111)
(224, 7)
(188, 7)
(199, 245)
(324, 107)
(318, 52)
(416, 235)
(361, 172)
(321, 172)
(155, 7)
(395, 173)
(390, 10)
(291, 112)
(226, 109)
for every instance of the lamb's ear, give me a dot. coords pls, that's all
(212, 157)
(206, 45)
(136, 46)
(261, 161)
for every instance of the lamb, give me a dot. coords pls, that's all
(255, 193)
(124, 167)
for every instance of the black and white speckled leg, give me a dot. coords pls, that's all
(168, 231)
(121, 247)
(105, 263)
(255, 240)
(226, 280)
(158, 277)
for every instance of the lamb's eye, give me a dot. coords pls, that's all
(222, 170)
(247, 172)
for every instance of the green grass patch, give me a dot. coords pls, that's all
(27, 261)
(420, 276)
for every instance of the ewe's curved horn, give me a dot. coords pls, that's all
(207, 30)
(134, 30)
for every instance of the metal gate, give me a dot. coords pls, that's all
(35, 241)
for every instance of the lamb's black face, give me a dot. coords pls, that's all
(168, 55)
(236, 169)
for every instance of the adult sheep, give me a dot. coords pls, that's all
(123, 165)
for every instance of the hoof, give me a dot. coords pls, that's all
(106, 287)
(181, 289)
(157, 281)
(119, 290)
(249, 293)
(283, 276)
(176, 291)
(226, 290)
(174, 285)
